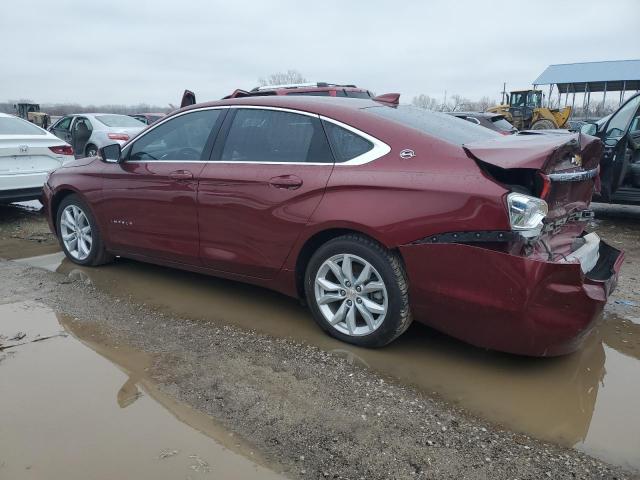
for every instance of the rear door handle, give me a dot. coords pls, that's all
(290, 182)
(181, 175)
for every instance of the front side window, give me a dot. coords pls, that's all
(181, 138)
(64, 124)
(618, 124)
(267, 136)
(346, 144)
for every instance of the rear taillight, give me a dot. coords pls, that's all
(118, 136)
(546, 185)
(62, 150)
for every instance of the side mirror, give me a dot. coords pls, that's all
(110, 153)
(589, 128)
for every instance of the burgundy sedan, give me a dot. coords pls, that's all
(375, 214)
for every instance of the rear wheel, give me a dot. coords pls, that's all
(543, 124)
(357, 291)
(79, 234)
(91, 150)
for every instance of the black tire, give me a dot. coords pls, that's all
(91, 150)
(391, 270)
(97, 253)
(543, 124)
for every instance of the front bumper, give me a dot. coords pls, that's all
(506, 302)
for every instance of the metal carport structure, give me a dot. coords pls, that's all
(608, 76)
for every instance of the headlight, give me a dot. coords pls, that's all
(526, 213)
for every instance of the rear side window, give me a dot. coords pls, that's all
(439, 125)
(180, 138)
(18, 126)
(261, 135)
(346, 144)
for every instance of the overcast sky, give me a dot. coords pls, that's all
(149, 51)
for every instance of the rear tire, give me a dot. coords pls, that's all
(91, 150)
(543, 124)
(357, 291)
(79, 234)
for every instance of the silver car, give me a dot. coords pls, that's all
(87, 132)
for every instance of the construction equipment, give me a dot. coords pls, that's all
(32, 113)
(525, 111)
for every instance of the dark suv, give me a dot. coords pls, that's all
(319, 89)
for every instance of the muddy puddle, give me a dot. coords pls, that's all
(75, 406)
(589, 400)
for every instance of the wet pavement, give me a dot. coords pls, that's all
(588, 400)
(72, 403)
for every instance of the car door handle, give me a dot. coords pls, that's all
(290, 182)
(181, 175)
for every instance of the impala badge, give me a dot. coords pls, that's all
(407, 153)
(23, 148)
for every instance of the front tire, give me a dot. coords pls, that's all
(543, 124)
(357, 291)
(79, 234)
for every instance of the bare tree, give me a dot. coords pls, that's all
(283, 78)
(426, 102)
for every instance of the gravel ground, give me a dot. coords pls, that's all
(305, 409)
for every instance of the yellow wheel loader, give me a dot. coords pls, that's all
(32, 113)
(524, 111)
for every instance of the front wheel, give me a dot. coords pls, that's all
(543, 124)
(91, 151)
(357, 291)
(79, 234)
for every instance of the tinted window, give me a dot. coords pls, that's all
(18, 126)
(346, 145)
(355, 94)
(258, 135)
(121, 121)
(440, 125)
(64, 123)
(181, 138)
(324, 93)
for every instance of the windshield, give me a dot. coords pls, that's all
(440, 125)
(18, 126)
(502, 124)
(118, 121)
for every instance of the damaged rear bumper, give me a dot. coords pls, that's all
(507, 302)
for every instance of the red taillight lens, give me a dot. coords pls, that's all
(546, 186)
(62, 150)
(118, 136)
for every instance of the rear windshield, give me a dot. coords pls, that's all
(118, 121)
(18, 126)
(502, 124)
(440, 125)
(357, 94)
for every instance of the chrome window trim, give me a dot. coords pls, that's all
(379, 149)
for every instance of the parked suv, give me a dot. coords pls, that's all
(375, 214)
(319, 89)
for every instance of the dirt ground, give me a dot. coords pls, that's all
(308, 411)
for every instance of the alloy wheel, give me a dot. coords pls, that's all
(351, 295)
(76, 232)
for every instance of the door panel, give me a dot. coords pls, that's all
(247, 222)
(150, 209)
(150, 198)
(253, 203)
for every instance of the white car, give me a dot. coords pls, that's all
(88, 132)
(27, 154)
